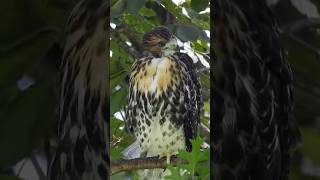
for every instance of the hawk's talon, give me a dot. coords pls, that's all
(168, 158)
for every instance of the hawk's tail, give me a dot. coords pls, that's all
(132, 151)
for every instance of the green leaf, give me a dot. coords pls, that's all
(147, 12)
(116, 79)
(6, 177)
(175, 10)
(133, 6)
(194, 156)
(118, 99)
(138, 23)
(25, 122)
(187, 32)
(115, 153)
(176, 174)
(311, 145)
(205, 80)
(117, 9)
(199, 5)
(200, 45)
(207, 106)
(16, 61)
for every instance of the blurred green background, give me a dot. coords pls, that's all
(31, 38)
(300, 26)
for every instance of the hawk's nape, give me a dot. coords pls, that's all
(82, 151)
(253, 124)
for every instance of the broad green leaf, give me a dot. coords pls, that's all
(200, 45)
(133, 6)
(6, 177)
(115, 153)
(207, 106)
(117, 9)
(194, 156)
(25, 122)
(176, 174)
(199, 5)
(204, 170)
(116, 80)
(205, 81)
(175, 10)
(147, 12)
(310, 147)
(134, 21)
(16, 61)
(187, 32)
(118, 99)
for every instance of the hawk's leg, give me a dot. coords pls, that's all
(168, 155)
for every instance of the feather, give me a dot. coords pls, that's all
(132, 151)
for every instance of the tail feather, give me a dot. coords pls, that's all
(132, 151)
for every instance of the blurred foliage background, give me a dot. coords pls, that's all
(300, 31)
(31, 43)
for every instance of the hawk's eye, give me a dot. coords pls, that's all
(161, 43)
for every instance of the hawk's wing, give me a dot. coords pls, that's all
(83, 134)
(193, 87)
(253, 102)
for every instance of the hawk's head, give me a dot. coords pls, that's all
(160, 41)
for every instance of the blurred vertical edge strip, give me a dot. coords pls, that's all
(83, 133)
(212, 59)
(108, 83)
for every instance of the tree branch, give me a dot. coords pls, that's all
(143, 163)
(129, 49)
(131, 35)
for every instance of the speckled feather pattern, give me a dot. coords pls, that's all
(163, 104)
(82, 151)
(253, 128)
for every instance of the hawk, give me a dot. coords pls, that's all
(253, 128)
(164, 99)
(82, 151)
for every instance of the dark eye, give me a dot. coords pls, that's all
(161, 44)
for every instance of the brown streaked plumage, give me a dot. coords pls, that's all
(146, 72)
(83, 147)
(164, 98)
(254, 127)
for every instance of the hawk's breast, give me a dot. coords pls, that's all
(154, 95)
(155, 75)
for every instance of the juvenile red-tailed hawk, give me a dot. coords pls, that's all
(164, 97)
